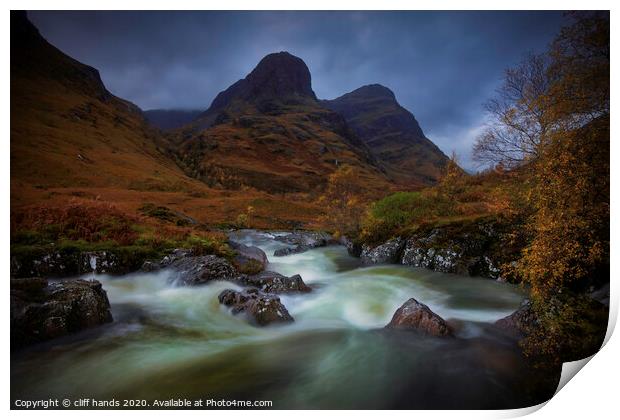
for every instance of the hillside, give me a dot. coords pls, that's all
(72, 141)
(391, 133)
(67, 129)
(268, 131)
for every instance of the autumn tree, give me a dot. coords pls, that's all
(451, 181)
(552, 114)
(570, 188)
(519, 116)
(343, 200)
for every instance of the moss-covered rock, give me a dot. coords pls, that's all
(42, 310)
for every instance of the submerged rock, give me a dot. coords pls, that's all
(413, 315)
(42, 310)
(387, 253)
(201, 270)
(271, 282)
(260, 308)
(281, 252)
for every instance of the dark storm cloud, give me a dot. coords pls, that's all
(441, 65)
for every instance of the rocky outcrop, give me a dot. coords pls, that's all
(473, 248)
(387, 253)
(42, 310)
(302, 241)
(69, 261)
(416, 316)
(520, 321)
(271, 282)
(260, 308)
(200, 270)
(477, 248)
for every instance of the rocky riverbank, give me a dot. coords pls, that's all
(42, 310)
(478, 248)
(450, 249)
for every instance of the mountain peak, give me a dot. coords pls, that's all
(281, 74)
(277, 76)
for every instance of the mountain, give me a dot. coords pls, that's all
(392, 134)
(170, 119)
(268, 131)
(68, 130)
(72, 140)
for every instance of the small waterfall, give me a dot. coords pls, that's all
(93, 263)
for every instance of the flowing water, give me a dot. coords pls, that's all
(179, 342)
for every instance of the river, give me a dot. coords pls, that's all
(179, 342)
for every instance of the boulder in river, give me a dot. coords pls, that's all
(203, 269)
(302, 242)
(387, 253)
(519, 321)
(416, 316)
(42, 310)
(260, 308)
(272, 282)
(249, 259)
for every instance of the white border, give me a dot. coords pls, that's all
(592, 394)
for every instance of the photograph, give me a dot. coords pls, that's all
(306, 209)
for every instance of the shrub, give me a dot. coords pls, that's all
(403, 210)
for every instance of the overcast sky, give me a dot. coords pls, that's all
(441, 65)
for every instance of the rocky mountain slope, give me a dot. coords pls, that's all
(392, 134)
(268, 131)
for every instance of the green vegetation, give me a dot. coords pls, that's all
(403, 211)
(164, 214)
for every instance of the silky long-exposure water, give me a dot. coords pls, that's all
(179, 342)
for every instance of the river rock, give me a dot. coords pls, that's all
(413, 315)
(42, 310)
(271, 282)
(176, 255)
(353, 248)
(260, 308)
(520, 321)
(302, 242)
(387, 253)
(248, 259)
(249, 252)
(203, 269)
